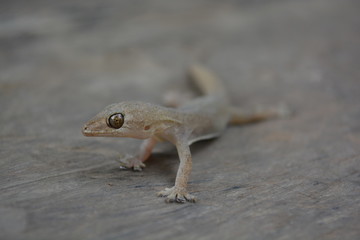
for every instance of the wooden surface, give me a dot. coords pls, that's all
(295, 178)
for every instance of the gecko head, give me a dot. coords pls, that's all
(126, 119)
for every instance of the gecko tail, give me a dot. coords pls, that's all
(206, 81)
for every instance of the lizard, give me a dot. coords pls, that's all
(199, 119)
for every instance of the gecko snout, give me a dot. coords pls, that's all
(85, 130)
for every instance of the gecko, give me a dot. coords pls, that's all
(199, 119)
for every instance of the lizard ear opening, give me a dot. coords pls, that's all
(116, 120)
(147, 127)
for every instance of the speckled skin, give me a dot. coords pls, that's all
(203, 118)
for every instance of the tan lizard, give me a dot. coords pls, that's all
(202, 118)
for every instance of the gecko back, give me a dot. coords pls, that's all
(208, 115)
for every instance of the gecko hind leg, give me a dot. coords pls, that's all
(176, 99)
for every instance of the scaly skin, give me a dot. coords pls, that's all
(203, 118)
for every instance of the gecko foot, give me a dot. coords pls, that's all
(176, 195)
(131, 162)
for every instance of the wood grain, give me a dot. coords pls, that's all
(293, 178)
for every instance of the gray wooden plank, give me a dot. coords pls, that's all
(294, 178)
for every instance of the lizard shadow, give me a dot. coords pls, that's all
(166, 162)
(162, 163)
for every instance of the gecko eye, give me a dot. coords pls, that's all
(116, 120)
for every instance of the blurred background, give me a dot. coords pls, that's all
(61, 62)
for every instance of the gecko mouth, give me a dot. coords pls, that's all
(91, 133)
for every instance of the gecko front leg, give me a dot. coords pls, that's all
(137, 163)
(178, 193)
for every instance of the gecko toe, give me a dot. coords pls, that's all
(129, 162)
(180, 199)
(174, 195)
(137, 169)
(190, 198)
